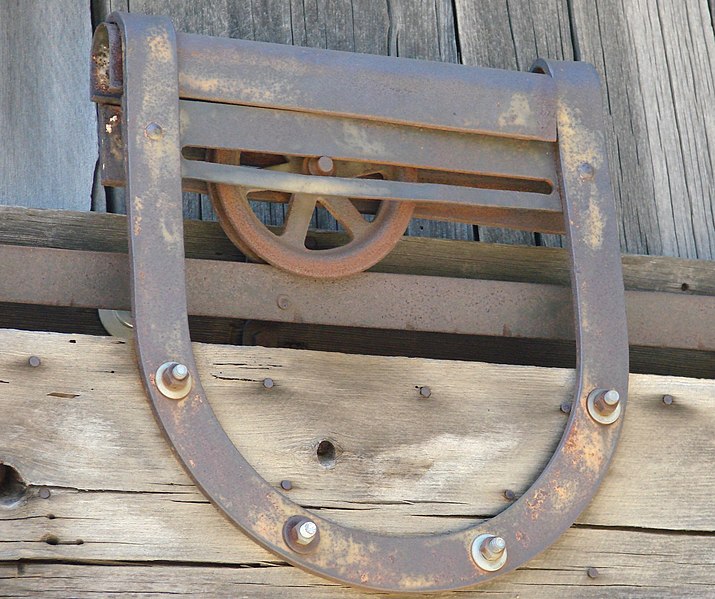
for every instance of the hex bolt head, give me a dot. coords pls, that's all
(604, 405)
(425, 392)
(585, 171)
(489, 552)
(34, 361)
(173, 380)
(154, 131)
(321, 166)
(305, 532)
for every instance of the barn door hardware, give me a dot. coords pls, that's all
(359, 135)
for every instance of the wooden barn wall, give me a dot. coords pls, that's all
(655, 57)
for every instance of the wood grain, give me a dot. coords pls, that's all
(47, 122)
(656, 62)
(79, 425)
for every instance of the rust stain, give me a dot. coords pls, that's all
(518, 114)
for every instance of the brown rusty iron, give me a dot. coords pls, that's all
(87, 279)
(558, 103)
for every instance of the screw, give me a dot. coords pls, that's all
(268, 383)
(592, 572)
(565, 407)
(154, 131)
(585, 170)
(668, 399)
(509, 494)
(34, 361)
(286, 485)
(425, 392)
(305, 532)
(323, 165)
(44, 493)
(283, 302)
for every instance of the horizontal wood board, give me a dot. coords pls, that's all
(121, 511)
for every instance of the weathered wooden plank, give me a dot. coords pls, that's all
(511, 35)
(86, 405)
(47, 122)
(108, 233)
(656, 59)
(628, 565)
(80, 426)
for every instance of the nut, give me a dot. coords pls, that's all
(604, 405)
(489, 552)
(173, 380)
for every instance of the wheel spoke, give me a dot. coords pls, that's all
(344, 211)
(297, 220)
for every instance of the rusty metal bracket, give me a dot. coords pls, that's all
(556, 107)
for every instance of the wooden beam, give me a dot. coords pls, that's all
(80, 426)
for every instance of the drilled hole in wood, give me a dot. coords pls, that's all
(326, 453)
(51, 539)
(12, 487)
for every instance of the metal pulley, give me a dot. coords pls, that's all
(376, 141)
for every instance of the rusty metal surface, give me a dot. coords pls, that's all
(424, 563)
(84, 279)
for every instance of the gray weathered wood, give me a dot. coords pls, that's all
(80, 425)
(511, 35)
(656, 58)
(47, 121)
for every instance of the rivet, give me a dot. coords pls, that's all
(585, 170)
(283, 302)
(489, 552)
(668, 399)
(592, 572)
(565, 407)
(604, 405)
(44, 493)
(173, 380)
(425, 392)
(34, 361)
(509, 494)
(286, 485)
(268, 383)
(154, 131)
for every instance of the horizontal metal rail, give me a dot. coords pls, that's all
(420, 303)
(264, 179)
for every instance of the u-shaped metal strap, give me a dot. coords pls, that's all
(355, 557)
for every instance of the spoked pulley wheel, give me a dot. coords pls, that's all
(368, 240)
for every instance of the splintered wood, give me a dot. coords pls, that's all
(79, 426)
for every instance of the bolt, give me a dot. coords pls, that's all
(305, 532)
(509, 494)
(585, 171)
(323, 166)
(592, 572)
(493, 548)
(489, 552)
(425, 392)
(283, 302)
(286, 485)
(44, 493)
(565, 407)
(153, 131)
(268, 383)
(604, 405)
(34, 361)
(179, 372)
(173, 380)
(668, 399)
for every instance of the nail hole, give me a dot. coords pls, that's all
(73, 341)
(326, 453)
(685, 287)
(51, 539)
(12, 487)
(51, 516)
